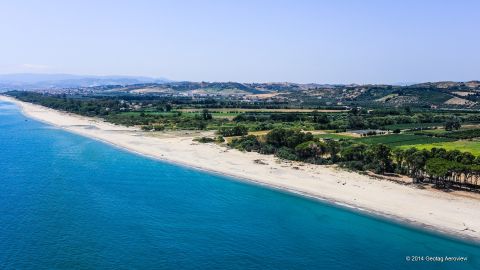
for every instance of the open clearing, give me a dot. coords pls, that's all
(472, 146)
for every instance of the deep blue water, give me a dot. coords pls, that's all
(68, 202)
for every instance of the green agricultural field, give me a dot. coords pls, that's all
(244, 110)
(413, 125)
(334, 136)
(147, 113)
(228, 115)
(464, 146)
(435, 132)
(395, 140)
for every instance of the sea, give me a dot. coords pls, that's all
(70, 202)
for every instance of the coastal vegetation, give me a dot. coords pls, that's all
(406, 140)
(444, 168)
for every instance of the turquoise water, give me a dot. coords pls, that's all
(68, 202)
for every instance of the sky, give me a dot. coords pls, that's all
(246, 41)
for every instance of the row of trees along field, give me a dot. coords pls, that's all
(165, 111)
(445, 169)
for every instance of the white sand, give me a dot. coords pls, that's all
(435, 210)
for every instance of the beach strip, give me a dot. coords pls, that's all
(436, 211)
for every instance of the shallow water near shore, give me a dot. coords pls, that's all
(69, 202)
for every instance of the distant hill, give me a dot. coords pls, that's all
(28, 81)
(210, 88)
(447, 94)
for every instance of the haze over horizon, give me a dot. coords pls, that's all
(33, 78)
(337, 42)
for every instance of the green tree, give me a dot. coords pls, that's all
(310, 149)
(452, 124)
(356, 122)
(416, 161)
(438, 169)
(381, 156)
(279, 137)
(354, 152)
(333, 148)
(399, 157)
(206, 115)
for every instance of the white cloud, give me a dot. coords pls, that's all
(35, 66)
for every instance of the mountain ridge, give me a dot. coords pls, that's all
(448, 94)
(31, 81)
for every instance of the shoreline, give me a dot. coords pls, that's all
(436, 212)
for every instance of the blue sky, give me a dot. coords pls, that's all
(247, 41)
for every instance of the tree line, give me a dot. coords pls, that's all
(445, 169)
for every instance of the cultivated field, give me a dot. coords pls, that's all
(463, 145)
(395, 140)
(235, 110)
(413, 125)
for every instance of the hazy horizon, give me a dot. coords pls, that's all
(342, 42)
(162, 78)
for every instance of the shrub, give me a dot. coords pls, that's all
(279, 137)
(286, 153)
(267, 149)
(147, 128)
(246, 143)
(354, 165)
(310, 149)
(158, 127)
(233, 131)
(204, 140)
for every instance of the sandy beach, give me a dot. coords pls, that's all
(453, 213)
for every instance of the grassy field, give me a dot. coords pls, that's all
(434, 131)
(148, 112)
(413, 125)
(237, 111)
(464, 146)
(334, 136)
(461, 134)
(467, 125)
(228, 115)
(258, 133)
(395, 140)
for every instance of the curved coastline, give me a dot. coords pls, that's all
(465, 225)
